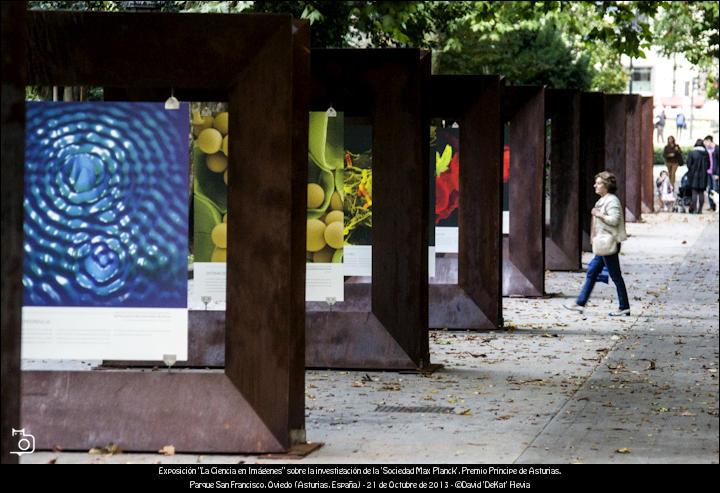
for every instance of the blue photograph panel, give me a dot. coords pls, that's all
(106, 207)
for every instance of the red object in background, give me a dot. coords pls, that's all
(447, 190)
(672, 101)
(506, 163)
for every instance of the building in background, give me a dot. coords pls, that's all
(677, 86)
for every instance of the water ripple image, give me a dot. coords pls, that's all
(106, 208)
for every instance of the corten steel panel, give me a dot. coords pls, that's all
(646, 156)
(13, 159)
(193, 410)
(256, 404)
(299, 152)
(387, 87)
(117, 47)
(563, 238)
(475, 302)
(633, 164)
(616, 141)
(524, 248)
(592, 156)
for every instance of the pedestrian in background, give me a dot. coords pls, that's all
(673, 158)
(698, 163)
(660, 126)
(607, 233)
(665, 191)
(713, 154)
(680, 123)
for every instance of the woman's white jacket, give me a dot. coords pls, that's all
(612, 220)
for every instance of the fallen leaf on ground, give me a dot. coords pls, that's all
(167, 450)
(623, 450)
(538, 381)
(110, 449)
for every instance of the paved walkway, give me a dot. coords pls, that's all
(554, 388)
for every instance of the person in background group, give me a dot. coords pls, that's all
(713, 155)
(665, 191)
(680, 123)
(608, 231)
(660, 126)
(698, 163)
(673, 158)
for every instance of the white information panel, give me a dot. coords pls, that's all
(358, 260)
(104, 333)
(324, 282)
(206, 291)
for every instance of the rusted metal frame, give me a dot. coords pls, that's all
(633, 163)
(592, 155)
(383, 325)
(350, 334)
(475, 301)
(524, 248)
(248, 407)
(13, 159)
(563, 236)
(646, 156)
(616, 141)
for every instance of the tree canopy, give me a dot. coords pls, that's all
(558, 43)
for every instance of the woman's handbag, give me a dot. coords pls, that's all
(604, 244)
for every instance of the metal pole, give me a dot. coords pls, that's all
(692, 105)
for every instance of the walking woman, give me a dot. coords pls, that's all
(608, 231)
(673, 158)
(698, 163)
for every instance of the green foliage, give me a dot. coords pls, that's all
(608, 73)
(83, 6)
(525, 55)
(560, 43)
(329, 19)
(658, 153)
(712, 86)
(690, 28)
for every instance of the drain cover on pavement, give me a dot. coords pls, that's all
(415, 409)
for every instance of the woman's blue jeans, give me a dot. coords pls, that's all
(595, 267)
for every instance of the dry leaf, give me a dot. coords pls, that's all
(110, 449)
(466, 412)
(167, 450)
(623, 450)
(113, 449)
(687, 413)
(538, 381)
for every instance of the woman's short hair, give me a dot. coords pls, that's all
(608, 180)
